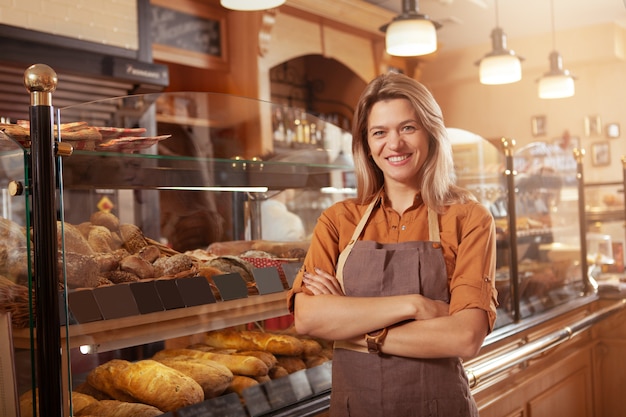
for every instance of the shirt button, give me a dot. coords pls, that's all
(403, 227)
(436, 245)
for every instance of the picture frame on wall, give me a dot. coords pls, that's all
(601, 153)
(593, 126)
(538, 125)
(189, 32)
(612, 130)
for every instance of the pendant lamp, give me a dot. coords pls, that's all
(410, 33)
(251, 5)
(557, 82)
(501, 65)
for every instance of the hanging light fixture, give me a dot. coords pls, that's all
(501, 65)
(410, 33)
(558, 82)
(251, 5)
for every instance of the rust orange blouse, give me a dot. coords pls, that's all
(467, 234)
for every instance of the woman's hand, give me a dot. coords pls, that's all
(430, 309)
(322, 282)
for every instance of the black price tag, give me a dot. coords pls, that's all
(231, 286)
(168, 291)
(280, 392)
(256, 400)
(146, 297)
(267, 280)
(195, 291)
(291, 269)
(116, 301)
(82, 306)
(300, 384)
(227, 405)
(320, 377)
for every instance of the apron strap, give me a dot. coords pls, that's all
(355, 236)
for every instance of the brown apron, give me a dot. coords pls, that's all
(365, 384)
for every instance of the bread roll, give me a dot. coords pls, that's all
(277, 344)
(74, 240)
(132, 238)
(147, 381)
(106, 219)
(138, 266)
(315, 360)
(267, 357)
(102, 240)
(278, 372)
(212, 376)
(114, 408)
(82, 271)
(173, 265)
(149, 253)
(238, 365)
(310, 347)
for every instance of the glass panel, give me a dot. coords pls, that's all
(156, 179)
(548, 227)
(480, 165)
(17, 374)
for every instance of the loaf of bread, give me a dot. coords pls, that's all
(240, 383)
(147, 381)
(278, 372)
(291, 363)
(114, 408)
(278, 344)
(132, 238)
(212, 376)
(238, 365)
(79, 402)
(267, 357)
(106, 219)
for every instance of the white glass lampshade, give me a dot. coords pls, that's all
(556, 86)
(250, 5)
(411, 37)
(500, 69)
(558, 82)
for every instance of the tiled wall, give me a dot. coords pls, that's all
(108, 22)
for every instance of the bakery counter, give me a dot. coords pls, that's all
(107, 335)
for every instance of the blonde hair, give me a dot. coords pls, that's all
(437, 174)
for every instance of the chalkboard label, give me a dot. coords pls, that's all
(116, 301)
(291, 269)
(256, 400)
(195, 291)
(146, 296)
(227, 405)
(231, 286)
(267, 280)
(185, 31)
(168, 291)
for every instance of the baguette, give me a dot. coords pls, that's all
(212, 376)
(114, 408)
(238, 365)
(147, 381)
(240, 383)
(254, 340)
(291, 363)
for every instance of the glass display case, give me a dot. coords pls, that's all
(146, 218)
(533, 194)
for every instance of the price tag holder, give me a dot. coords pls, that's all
(280, 393)
(168, 291)
(300, 384)
(195, 291)
(82, 306)
(320, 377)
(267, 280)
(256, 400)
(146, 297)
(231, 286)
(116, 301)
(291, 270)
(224, 405)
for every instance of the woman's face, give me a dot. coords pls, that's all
(397, 141)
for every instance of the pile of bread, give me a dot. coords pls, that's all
(227, 361)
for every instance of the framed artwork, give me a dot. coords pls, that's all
(600, 154)
(538, 125)
(188, 32)
(612, 130)
(593, 126)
